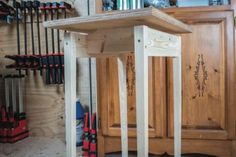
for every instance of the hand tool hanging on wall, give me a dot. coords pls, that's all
(19, 131)
(8, 95)
(6, 12)
(24, 61)
(93, 137)
(23, 7)
(4, 118)
(64, 7)
(36, 5)
(4, 114)
(90, 79)
(22, 114)
(86, 137)
(90, 136)
(3, 125)
(52, 63)
(55, 6)
(13, 121)
(12, 105)
(29, 5)
(17, 6)
(51, 57)
(45, 57)
(5, 8)
(93, 123)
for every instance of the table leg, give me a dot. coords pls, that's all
(123, 104)
(141, 74)
(177, 105)
(70, 95)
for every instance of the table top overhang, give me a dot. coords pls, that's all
(151, 17)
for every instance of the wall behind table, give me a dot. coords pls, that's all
(44, 105)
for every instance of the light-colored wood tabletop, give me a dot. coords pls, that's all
(151, 17)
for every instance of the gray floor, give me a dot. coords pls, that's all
(50, 147)
(134, 155)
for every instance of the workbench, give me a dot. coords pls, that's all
(145, 32)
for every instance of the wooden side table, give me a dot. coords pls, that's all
(146, 32)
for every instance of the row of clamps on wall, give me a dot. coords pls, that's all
(47, 59)
(13, 123)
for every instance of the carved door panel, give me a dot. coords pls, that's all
(207, 73)
(108, 98)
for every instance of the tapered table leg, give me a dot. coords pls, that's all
(123, 104)
(177, 105)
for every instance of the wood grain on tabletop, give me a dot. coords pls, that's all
(148, 16)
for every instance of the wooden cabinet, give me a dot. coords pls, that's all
(108, 83)
(208, 69)
(208, 76)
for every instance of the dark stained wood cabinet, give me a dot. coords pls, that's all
(208, 73)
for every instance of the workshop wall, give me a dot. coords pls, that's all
(44, 105)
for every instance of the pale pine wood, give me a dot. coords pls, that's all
(162, 44)
(70, 95)
(141, 75)
(177, 104)
(104, 42)
(123, 104)
(144, 37)
(149, 16)
(151, 46)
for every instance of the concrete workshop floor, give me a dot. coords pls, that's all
(46, 147)
(36, 147)
(134, 155)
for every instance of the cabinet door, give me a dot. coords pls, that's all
(208, 66)
(108, 96)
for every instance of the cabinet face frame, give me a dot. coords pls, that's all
(225, 18)
(108, 90)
